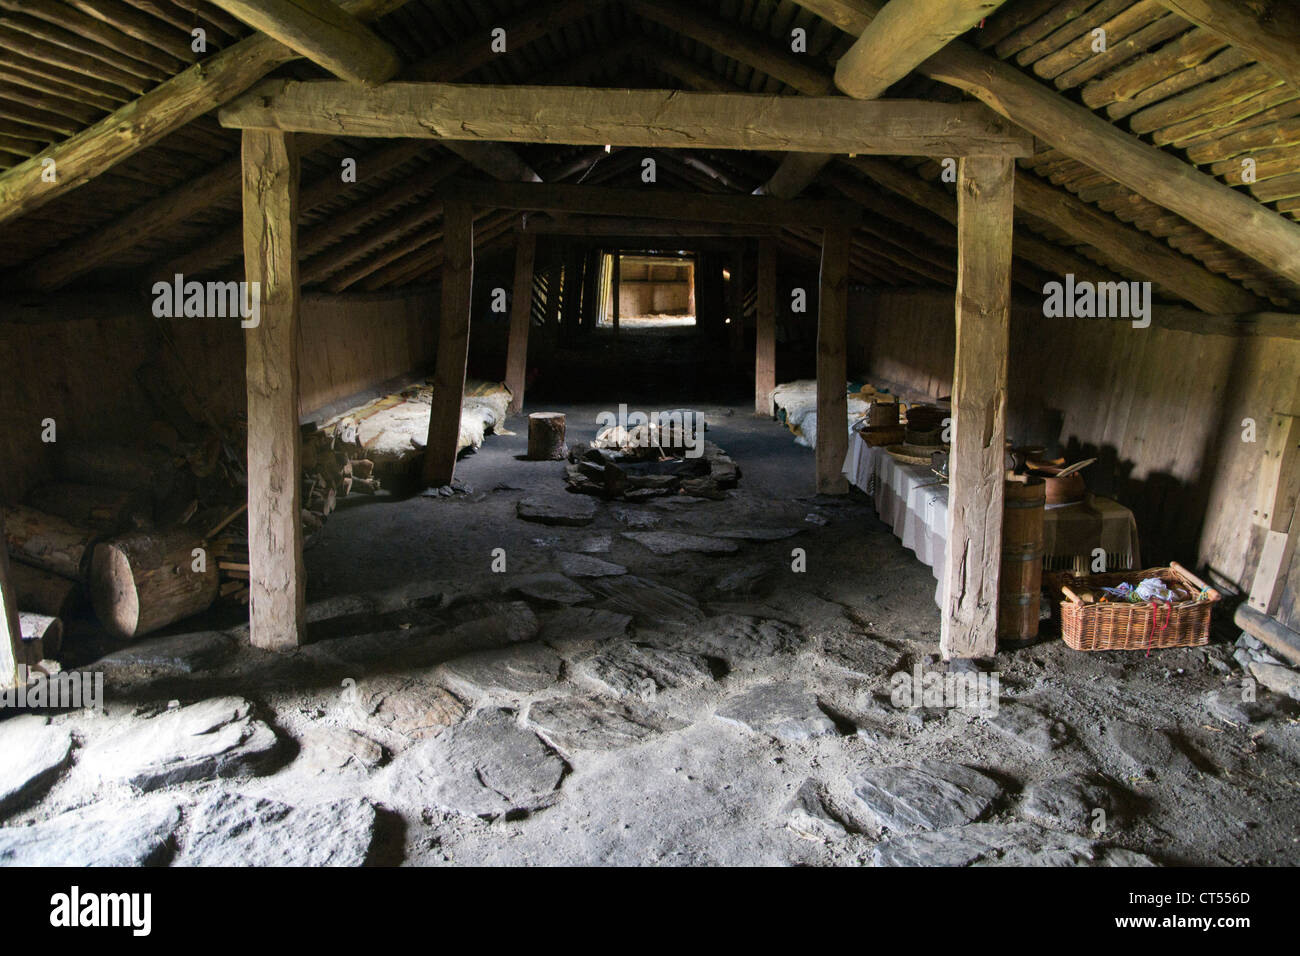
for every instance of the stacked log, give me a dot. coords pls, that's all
(333, 466)
(103, 508)
(144, 580)
(42, 637)
(41, 592)
(47, 541)
(138, 468)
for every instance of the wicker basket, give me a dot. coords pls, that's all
(1122, 626)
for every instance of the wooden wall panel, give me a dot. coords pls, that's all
(1161, 408)
(80, 371)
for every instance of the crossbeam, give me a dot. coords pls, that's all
(580, 116)
(649, 203)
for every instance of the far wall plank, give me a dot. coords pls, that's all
(11, 641)
(977, 463)
(277, 580)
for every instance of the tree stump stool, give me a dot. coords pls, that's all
(546, 436)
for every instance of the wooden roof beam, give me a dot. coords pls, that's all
(324, 33)
(1268, 30)
(152, 116)
(1269, 238)
(582, 116)
(646, 203)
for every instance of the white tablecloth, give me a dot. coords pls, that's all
(914, 503)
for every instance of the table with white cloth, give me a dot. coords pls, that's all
(913, 501)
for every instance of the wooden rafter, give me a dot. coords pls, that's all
(1234, 218)
(147, 119)
(1269, 30)
(324, 33)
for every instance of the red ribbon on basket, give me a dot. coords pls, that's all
(1155, 618)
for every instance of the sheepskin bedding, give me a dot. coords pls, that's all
(794, 404)
(392, 429)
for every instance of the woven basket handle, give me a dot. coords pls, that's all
(1193, 580)
(1071, 595)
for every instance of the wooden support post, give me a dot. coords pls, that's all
(453, 343)
(736, 331)
(590, 289)
(277, 580)
(11, 641)
(979, 400)
(521, 314)
(832, 363)
(691, 273)
(765, 337)
(616, 281)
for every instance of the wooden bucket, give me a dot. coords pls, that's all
(1021, 579)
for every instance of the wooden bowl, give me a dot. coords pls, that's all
(1060, 491)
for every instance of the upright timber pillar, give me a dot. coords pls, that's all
(765, 329)
(11, 641)
(616, 287)
(979, 405)
(521, 315)
(453, 343)
(736, 330)
(275, 568)
(832, 365)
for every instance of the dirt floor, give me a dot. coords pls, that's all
(596, 702)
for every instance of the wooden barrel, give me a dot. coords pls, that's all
(1021, 579)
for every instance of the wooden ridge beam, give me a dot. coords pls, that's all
(583, 116)
(324, 33)
(627, 227)
(1268, 30)
(647, 203)
(1267, 237)
(148, 118)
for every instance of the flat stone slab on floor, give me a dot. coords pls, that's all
(486, 766)
(211, 739)
(757, 534)
(1148, 749)
(235, 829)
(1278, 678)
(633, 670)
(415, 709)
(673, 542)
(1028, 726)
(327, 749)
(735, 637)
(509, 672)
(595, 723)
(585, 566)
(138, 833)
(177, 654)
(929, 795)
(861, 654)
(809, 814)
(990, 844)
(785, 710)
(574, 625)
(1227, 705)
(491, 624)
(1068, 802)
(551, 588)
(559, 509)
(33, 754)
(645, 599)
